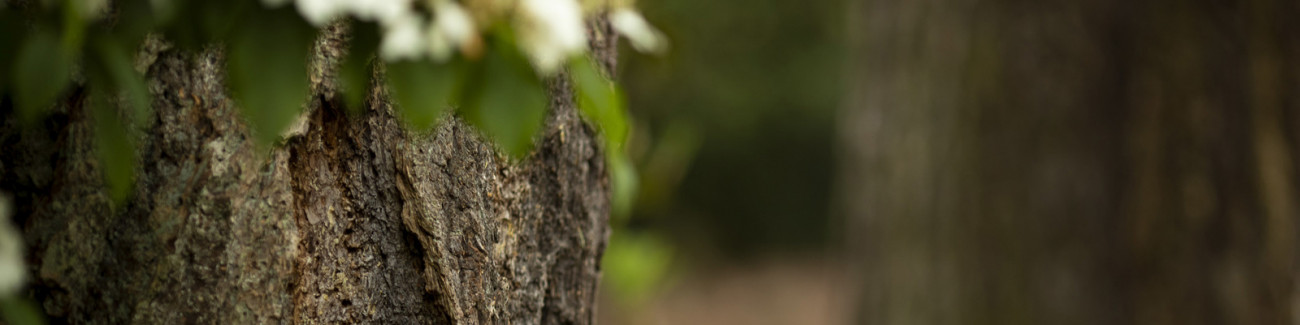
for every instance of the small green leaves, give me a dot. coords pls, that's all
(508, 102)
(268, 69)
(41, 72)
(116, 149)
(422, 89)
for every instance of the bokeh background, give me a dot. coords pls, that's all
(963, 162)
(733, 139)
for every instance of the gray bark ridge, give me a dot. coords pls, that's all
(353, 219)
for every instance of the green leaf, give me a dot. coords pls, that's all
(116, 148)
(114, 62)
(623, 178)
(267, 69)
(192, 24)
(354, 72)
(422, 89)
(600, 99)
(21, 311)
(41, 72)
(74, 27)
(509, 102)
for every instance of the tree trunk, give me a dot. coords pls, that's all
(1073, 162)
(354, 219)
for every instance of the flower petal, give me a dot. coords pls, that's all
(403, 39)
(631, 24)
(550, 31)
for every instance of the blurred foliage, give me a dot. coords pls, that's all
(600, 99)
(635, 263)
(422, 90)
(41, 71)
(267, 69)
(505, 99)
(21, 311)
(734, 140)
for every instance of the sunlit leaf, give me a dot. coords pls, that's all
(21, 311)
(600, 100)
(423, 90)
(41, 72)
(623, 179)
(116, 150)
(267, 68)
(354, 72)
(508, 102)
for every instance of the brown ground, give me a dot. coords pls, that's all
(775, 291)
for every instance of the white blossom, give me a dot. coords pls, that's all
(631, 24)
(12, 273)
(550, 31)
(403, 38)
(321, 12)
(439, 46)
(386, 12)
(452, 27)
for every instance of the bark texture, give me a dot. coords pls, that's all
(353, 219)
(1073, 162)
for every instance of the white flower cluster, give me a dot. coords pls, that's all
(12, 272)
(548, 31)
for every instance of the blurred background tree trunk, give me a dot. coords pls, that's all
(354, 219)
(1072, 162)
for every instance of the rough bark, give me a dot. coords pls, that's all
(355, 219)
(1066, 162)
